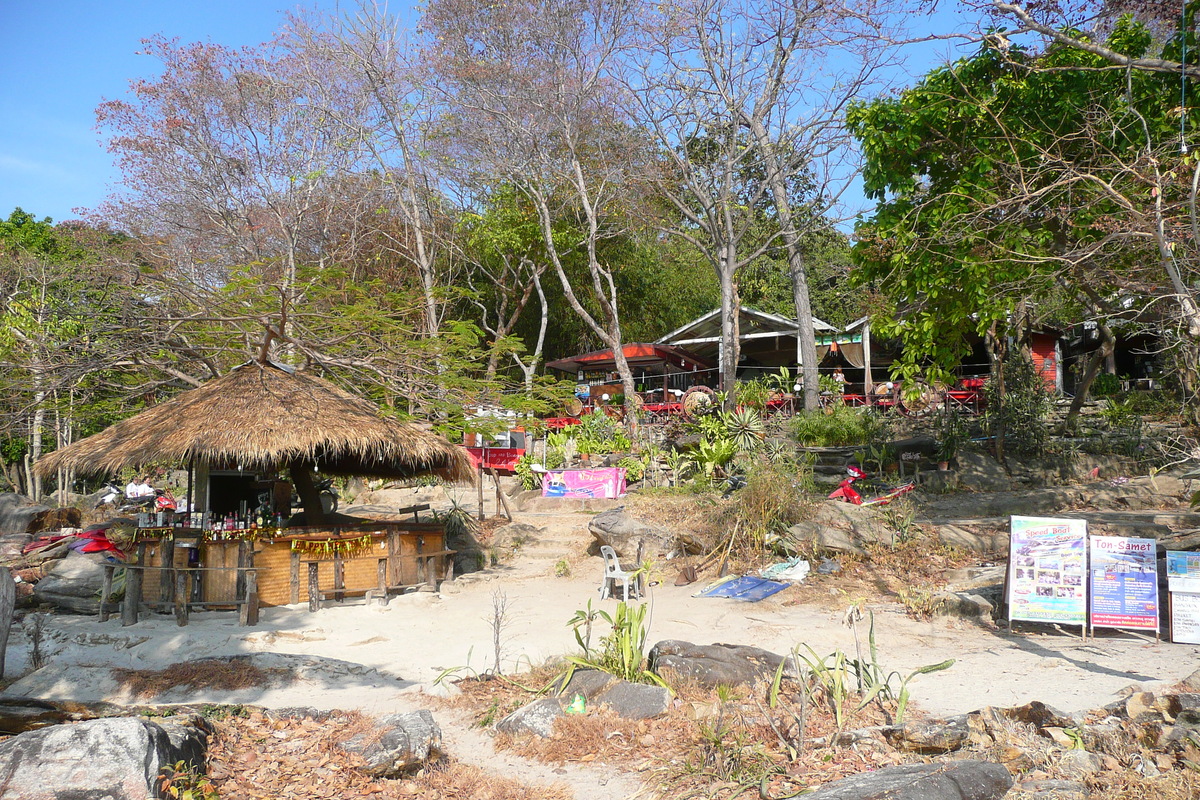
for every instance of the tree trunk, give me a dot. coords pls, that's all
(994, 342)
(1108, 344)
(730, 334)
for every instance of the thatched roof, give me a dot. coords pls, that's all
(263, 416)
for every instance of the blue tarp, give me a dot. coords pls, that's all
(746, 587)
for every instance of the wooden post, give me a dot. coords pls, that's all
(294, 579)
(339, 576)
(314, 591)
(183, 593)
(479, 478)
(248, 609)
(133, 588)
(422, 563)
(166, 589)
(393, 556)
(106, 590)
(501, 500)
(243, 561)
(382, 576)
(868, 380)
(641, 578)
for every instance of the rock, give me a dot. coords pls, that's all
(398, 743)
(841, 527)
(20, 714)
(110, 759)
(955, 780)
(1059, 736)
(1038, 714)
(713, 665)
(1139, 707)
(979, 472)
(1079, 763)
(622, 533)
(8, 599)
(635, 700)
(1191, 682)
(73, 583)
(587, 682)
(962, 604)
(536, 718)
(16, 510)
(11, 545)
(508, 539)
(929, 736)
(1040, 789)
(54, 519)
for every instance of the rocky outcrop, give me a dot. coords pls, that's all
(841, 527)
(117, 758)
(397, 744)
(73, 583)
(713, 665)
(622, 533)
(16, 511)
(955, 780)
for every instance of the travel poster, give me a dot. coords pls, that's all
(1124, 583)
(1185, 617)
(1183, 571)
(1046, 570)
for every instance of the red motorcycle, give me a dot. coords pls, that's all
(876, 494)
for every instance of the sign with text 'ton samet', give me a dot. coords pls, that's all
(1046, 570)
(1124, 583)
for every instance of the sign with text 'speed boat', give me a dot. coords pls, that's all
(1124, 591)
(1046, 570)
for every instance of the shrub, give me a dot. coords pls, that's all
(1023, 408)
(839, 426)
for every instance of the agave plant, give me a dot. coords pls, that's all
(744, 426)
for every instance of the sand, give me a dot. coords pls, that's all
(379, 659)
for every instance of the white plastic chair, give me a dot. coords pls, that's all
(613, 572)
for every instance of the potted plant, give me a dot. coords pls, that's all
(952, 435)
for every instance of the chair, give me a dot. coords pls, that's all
(613, 572)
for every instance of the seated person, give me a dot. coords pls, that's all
(139, 488)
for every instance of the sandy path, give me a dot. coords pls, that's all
(417, 636)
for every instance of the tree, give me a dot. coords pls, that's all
(531, 106)
(1015, 176)
(745, 99)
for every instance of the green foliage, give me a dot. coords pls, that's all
(184, 781)
(838, 426)
(622, 651)
(977, 172)
(774, 498)
(953, 431)
(1023, 409)
(458, 522)
(634, 468)
(1105, 385)
(523, 469)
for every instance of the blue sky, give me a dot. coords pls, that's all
(60, 59)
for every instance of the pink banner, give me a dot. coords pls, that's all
(605, 483)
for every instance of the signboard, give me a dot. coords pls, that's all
(605, 483)
(1183, 571)
(1046, 570)
(1124, 583)
(1185, 617)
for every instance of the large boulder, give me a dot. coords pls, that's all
(841, 527)
(954, 780)
(622, 533)
(397, 744)
(980, 472)
(713, 665)
(536, 718)
(16, 511)
(115, 759)
(73, 583)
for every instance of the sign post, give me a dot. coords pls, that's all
(1046, 571)
(1124, 585)
(1183, 583)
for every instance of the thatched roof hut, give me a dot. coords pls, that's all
(261, 417)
